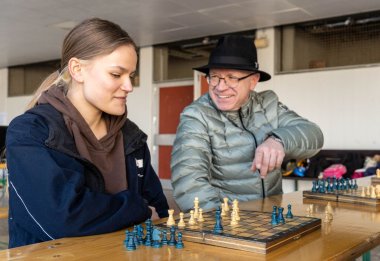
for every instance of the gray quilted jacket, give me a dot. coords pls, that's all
(213, 150)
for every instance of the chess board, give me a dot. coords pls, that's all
(253, 233)
(347, 196)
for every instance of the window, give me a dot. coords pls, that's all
(25, 79)
(352, 40)
(175, 61)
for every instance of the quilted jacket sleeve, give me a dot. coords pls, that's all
(190, 163)
(301, 137)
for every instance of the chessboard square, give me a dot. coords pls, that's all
(245, 234)
(256, 225)
(261, 228)
(280, 228)
(238, 229)
(267, 234)
(233, 233)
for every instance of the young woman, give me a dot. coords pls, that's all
(77, 165)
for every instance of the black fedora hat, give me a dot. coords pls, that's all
(234, 52)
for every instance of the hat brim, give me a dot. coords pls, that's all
(206, 68)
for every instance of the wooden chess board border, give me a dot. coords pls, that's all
(262, 246)
(375, 181)
(342, 197)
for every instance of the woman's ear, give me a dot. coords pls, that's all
(75, 68)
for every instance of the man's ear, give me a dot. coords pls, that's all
(76, 69)
(254, 80)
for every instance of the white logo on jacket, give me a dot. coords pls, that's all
(139, 163)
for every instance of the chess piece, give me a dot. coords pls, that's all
(235, 209)
(192, 219)
(164, 240)
(156, 238)
(181, 222)
(131, 242)
(172, 241)
(140, 234)
(363, 193)
(280, 216)
(200, 216)
(223, 213)
(373, 192)
(368, 191)
(196, 207)
(311, 206)
(135, 235)
(218, 227)
(274, 217)
(289, 214)
(314, 188)
(148, 236)
(233, 219)
(179, 244)
(378, 173)
(226, 207)
(170, 221)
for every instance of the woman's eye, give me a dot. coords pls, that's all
(115, 75)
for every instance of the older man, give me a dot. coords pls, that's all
(232, 141)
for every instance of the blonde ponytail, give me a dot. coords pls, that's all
(49, 81)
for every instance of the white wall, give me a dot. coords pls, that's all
(343, 102)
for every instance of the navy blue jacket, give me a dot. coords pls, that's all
(55, 193)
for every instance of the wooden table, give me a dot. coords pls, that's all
(353, 231)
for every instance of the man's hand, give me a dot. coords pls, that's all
(268, 156)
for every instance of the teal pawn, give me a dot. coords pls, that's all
(179, 244)
(289, 214)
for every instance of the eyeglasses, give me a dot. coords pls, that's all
(231, 81)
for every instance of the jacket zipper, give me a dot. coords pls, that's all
(254, 138)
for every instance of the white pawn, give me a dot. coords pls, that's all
(200, 216)
(373, 192)
(235, 209)
(368, 191)
(196, 207)
(181, 222)
(363, 193)
(233, 219)
(226, 207)
(223, 213)
(170, 221)
(192, 219)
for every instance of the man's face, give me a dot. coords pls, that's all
(230, 97)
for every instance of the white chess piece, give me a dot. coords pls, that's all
(192, 219)
(181, 222)
(226, 207)
(196, 207)
(170, 221)
(200, 216)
